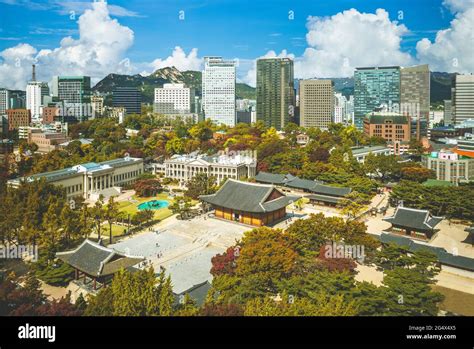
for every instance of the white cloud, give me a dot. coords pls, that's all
(453, 48)
(349, 39)
(458, 5)
(100, 48)
(180, 60)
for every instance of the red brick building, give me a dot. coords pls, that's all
(390, 126)
(17, 118)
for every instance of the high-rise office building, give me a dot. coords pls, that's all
(35, 93)
(415, 98)
(97, 104)
(316, 99)
(448, 112)
(218, 90)
(174, 99)
(463, 102)
(275, 92)
(129, 98)
(374, 88)
(4, 100)
(74, 92)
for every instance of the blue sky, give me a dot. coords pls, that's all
(230, 28)
(326, 38)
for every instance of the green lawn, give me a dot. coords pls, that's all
(132, 207)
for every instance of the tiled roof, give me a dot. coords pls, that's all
(97, 260)
(330, 190)
(249, 197)
(444, 257)
(325, 198)
(412, 218)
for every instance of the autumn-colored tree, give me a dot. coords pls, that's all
(267, 251)
(334, 263)
(225, 263)
(147, 187)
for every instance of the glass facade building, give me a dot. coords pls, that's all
(375, 87)
(129, 98)
(275, 92)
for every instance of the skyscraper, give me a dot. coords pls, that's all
(275, 92)
(35, 92)
(415, 98)
(75, 93)
(218, 90)
(4, 100)
(375, 87)
(316, 99)
(129, 98)
(463, 106)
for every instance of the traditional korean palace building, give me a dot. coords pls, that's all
(249, 203)
(94, 263)
(91, 179)
(413, 222)
(328, 195)
(320, 193)
(446, 259)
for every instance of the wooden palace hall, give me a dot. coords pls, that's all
(96, 264)
(249, 203)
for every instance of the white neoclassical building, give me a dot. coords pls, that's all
(92, 179)
(185, 167)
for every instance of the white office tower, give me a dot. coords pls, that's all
(218, 90)
(35, 91)
(4, 101)
(339, 108)
(173, 99)
(464, 98)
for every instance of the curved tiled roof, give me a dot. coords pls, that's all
(413, 218)
(249, 197)
(97, 260)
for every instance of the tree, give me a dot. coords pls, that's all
(147, 187)
(201, 184)
(97, 212)
(266, 251)
(417, 174)
(181, 206)
(111, 212)
(409, 293)
(322, 305)
(166, 297)
(225, 263)
(352, 205)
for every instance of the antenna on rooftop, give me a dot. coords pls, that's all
(33, 75)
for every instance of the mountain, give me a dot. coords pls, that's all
(440, 84)
(147, 84)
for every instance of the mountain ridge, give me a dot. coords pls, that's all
(440, 84)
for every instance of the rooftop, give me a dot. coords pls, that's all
(249, 197)
(444, 257)
(78, 169)
(420, 220)
(368, 149)
(386, 117)
(97, 260)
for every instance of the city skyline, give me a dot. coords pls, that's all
(94, 39)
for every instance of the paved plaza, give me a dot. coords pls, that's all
(184, 248)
